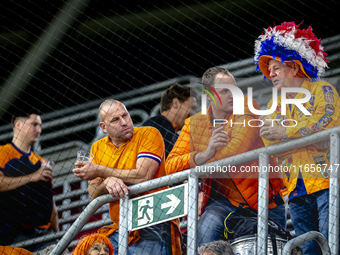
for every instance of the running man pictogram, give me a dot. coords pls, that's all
(145, 211)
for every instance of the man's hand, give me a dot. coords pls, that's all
(116, 187)
(54, 219)
(200, 204)
(218, 138)
(88, 170)
(270, 131)
(42, 174)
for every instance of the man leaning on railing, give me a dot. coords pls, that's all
(127, 156)
(293, 58)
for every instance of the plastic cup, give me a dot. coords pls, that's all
(50, 164)
(84, 156)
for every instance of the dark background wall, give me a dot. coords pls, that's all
(117, 46)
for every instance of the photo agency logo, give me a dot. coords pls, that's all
(238, 104)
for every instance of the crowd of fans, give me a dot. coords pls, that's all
(180, 139)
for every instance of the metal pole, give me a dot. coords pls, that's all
(333, 218)
(123, 240)
(262, 216)
(79, 223)
(192, 215)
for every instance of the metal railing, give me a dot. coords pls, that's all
(311, 235)
(263, 155)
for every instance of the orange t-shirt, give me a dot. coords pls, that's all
(146, 142)
(32, 196)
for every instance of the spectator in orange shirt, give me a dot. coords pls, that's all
(128, 155)
(26, 199)
(281, 55)
(200, 142)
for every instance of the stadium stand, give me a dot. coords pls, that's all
(69, 130)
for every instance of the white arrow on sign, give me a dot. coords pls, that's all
(172, 204)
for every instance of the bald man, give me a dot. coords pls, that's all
(127, 156)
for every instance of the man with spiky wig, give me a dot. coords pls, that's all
(294, 58)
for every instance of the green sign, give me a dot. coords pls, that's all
(158, 207)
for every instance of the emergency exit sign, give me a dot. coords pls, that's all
(158, 207)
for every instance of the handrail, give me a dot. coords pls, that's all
(192, 214)
(333, 215)
(101, 200)
(272, 149)
(262, 213)
(60, 234)
(311, 235)
(191, 173)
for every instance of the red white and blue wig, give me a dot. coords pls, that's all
(286, 42)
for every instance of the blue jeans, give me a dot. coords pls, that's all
(211, 224)
(153, 240)
(310, 212)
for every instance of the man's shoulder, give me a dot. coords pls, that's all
(7, 152)
(145, 131)
(100, 141)
(35, 157)
(322, 85)
(6, 148)
(322, 90)
(198, 118)
(254, 103)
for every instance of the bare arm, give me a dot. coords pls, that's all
(144, 171)
(54, 219)
(97, 188)
(114, 186)
(11, 183)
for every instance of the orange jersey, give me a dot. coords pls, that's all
(324, 106)
(146, 142)
(35, 197)
(10, 152)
